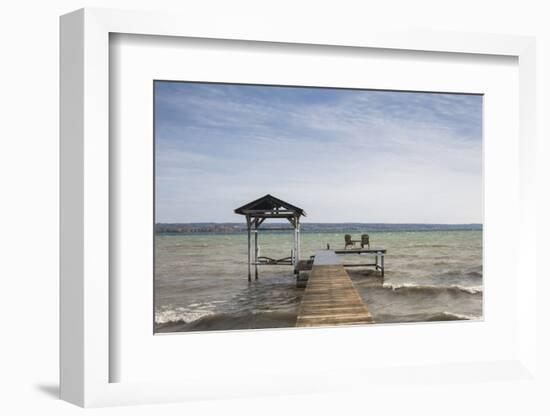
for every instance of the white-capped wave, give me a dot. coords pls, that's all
(400, 286)
(470, 289)
(180, 314)
(460, 316)
(413, 286)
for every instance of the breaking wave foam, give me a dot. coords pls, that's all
(180, 315)
(457, 316)
(472, 290)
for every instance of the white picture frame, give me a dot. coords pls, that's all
(85, 208)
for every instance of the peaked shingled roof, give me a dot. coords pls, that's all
(269, 203)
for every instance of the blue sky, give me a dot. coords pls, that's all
(342, 155)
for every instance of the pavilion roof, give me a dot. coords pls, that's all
(270, 207)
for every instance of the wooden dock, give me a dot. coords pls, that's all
(330, 297)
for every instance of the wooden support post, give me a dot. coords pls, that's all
(256, 250)
(382, 264)
(298, 245)
(295, 257)
(248, 224)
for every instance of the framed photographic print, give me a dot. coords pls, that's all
(392, 233)
(266, 211)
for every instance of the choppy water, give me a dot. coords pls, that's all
(201, 279)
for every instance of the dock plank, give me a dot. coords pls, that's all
(361, 251)
(330, 298)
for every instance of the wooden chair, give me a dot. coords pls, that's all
(349, 242)
(365, 241)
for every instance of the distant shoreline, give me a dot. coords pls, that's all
(236, 228)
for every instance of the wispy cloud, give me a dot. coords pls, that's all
(344, 155)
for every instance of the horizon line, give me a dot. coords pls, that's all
(337, 222)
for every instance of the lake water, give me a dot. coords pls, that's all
(201, 279)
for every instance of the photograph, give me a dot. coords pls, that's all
(305, 206)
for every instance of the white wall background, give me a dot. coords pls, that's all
(29, 204)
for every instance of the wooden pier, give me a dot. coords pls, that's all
(330, 297)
